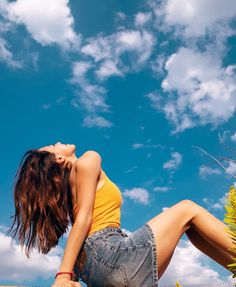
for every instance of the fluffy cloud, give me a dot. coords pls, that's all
(14, 264)
(142, 18)
(96, 121)
(204, 171)
(200, 89)
(139, 42)
(186, 265)
(108, 51)
(233, 137)
(108, 68)
(173, 163)
(155, 99)
(205, 91)
(48, 21)
(6, 55)
(147, 145)
(137, 194)
(137, 145)
(80, 68)
(231, 168)
(194, 18)
(91, 97)
(218, 204)
(162, 188)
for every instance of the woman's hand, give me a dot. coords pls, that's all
(65, 282)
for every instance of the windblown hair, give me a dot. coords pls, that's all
(43, 203)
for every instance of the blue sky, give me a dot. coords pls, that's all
(141, 82)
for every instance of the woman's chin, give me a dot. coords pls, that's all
(73, 147)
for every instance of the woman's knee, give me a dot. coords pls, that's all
(189, 204)
(190, 209)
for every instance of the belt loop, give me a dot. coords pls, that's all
(89, 242)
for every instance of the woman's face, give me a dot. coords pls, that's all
(59, 149)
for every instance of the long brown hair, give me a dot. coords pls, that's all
(43, 203)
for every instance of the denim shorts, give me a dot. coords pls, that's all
(110, 257)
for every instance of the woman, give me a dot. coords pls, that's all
(54, 187)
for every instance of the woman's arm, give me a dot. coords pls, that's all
(88, 168)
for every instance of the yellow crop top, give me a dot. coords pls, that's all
(106, 212)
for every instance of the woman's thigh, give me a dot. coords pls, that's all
(168, 227)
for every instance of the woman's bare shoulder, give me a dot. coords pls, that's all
(89, 157)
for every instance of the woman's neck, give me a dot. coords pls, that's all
(72, 159)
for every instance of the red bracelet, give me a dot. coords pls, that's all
(59, 273)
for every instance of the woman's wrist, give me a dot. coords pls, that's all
(64, 275)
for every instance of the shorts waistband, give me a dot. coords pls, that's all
(91, 237)
(113, 229)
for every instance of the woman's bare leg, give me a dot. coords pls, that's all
(212, 230)
(213, 252)
(169, 226)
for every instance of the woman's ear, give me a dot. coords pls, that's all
(60, 159)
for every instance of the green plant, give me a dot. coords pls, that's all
(230, 220)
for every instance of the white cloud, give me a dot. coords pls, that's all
(121, 15)
(233, 137)
(157, 66)
(206, 92)
(48, 21)
(142, 18)
(187, 264)
(3, 10)
(194, 18)
(107, 68)
(147, 145)
(140, 42)
(217, 205)
(89, 96)
(200, 89)
(173, 163)
(231, 168)
(15, 266)
(204, 171)
(51, 22)
(137, 145)
(6, 55)
(80, 68)
(96, 121)
(137, 194)
(98, 48)
(110, 49)
(155, 99)
(162, 188)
